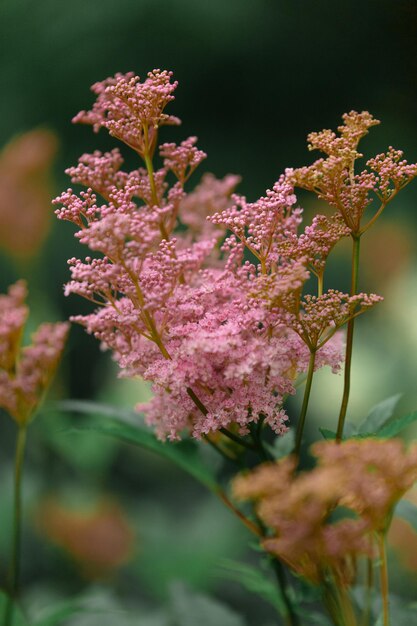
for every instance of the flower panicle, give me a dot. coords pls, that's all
(367, 476)
(25, 373)
(334, 180)
(211, 308)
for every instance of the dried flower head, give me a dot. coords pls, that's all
(334, 180)
(25, 186)
(367, 476)
(376, 474)
(297, 509)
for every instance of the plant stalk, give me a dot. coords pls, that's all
(14, 572)
(307, 390)
(349, 340)
(17, 514)
(384, 577)
(369, 586)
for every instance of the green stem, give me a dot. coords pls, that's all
(17, 520)
(14, 572)
(332, 603)
(349, 339)
(307, 390)
(369, 586)
(237, 439)
(256, 432)
(384, 577)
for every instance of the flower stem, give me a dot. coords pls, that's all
(369, 586)
(349, 339)
(237, 439)
(307, 390)
(384, 577)
(14, 571)
(320, 284)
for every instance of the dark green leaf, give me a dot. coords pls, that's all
(185, 454)
(327, 434)
(379, 415)
(408, 512)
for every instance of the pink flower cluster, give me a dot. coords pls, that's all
(25, 373)
(209, 310)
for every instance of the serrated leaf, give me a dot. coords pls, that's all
(191, 609)
(254, 580)
(379, 415)
(396, 426)
(17, 617)
(185, 454)
(408, 512)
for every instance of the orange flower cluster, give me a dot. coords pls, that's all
(367, 477)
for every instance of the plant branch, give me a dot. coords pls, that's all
(349, 340)
(306, 398)
(384, 577)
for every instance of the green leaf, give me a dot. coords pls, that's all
(349, 432)
(408, 512)
(379, 415)
(396, 426)
(327, 434)
(17, 617)
(255, 581)
(195, 609)
(185, 454)
(283, 445)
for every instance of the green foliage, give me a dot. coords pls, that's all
(187, 545)
(190, 608)
(379, 415)
(17, 617)
(57, 615)
(118, 424)
(395, 427)
(378, 423)
(254, 580)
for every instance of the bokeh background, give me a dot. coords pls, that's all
(255, 77)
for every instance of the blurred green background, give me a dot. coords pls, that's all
(255, 77)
